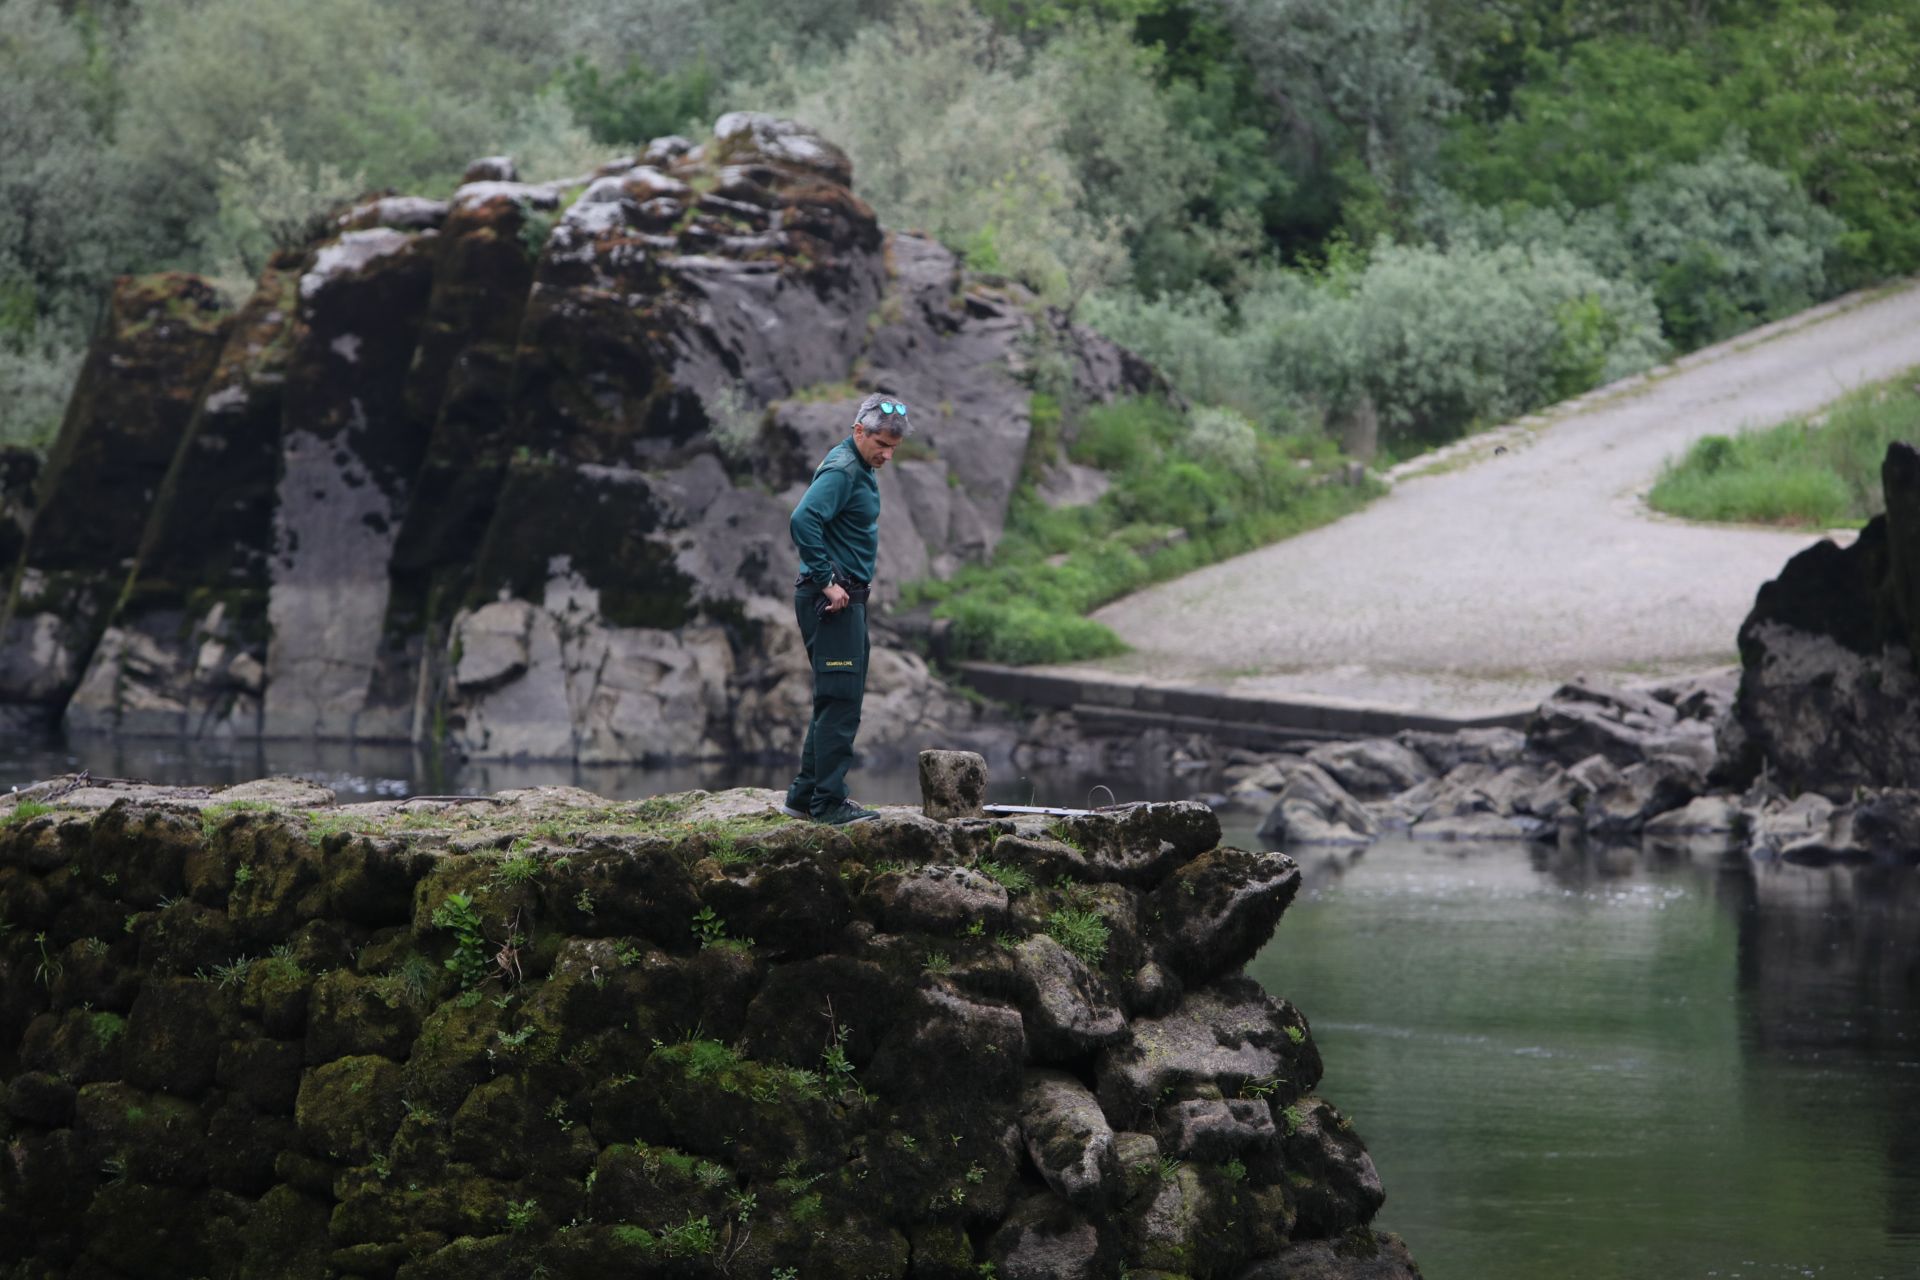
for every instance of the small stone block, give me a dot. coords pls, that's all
(953, 784)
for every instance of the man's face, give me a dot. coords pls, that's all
(875, 445)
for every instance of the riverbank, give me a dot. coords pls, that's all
(1486, 585)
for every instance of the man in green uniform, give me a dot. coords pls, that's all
(836, 529)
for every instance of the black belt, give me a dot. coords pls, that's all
(856, 590)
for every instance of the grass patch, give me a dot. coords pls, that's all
(1012, 878)
(1180, 499)
(1082, 932)
(25, 811)
(1820, 475)
(215, 815)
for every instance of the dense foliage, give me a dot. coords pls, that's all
(1411, 215)
(1188, 489)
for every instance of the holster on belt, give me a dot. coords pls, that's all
(857, 591)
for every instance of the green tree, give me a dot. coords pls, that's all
(1358, 91)
(930, 143)
(637, 104)
(63, 215)
(1726, 244)
(1821, 94)
(347, 83)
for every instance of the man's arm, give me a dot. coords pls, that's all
(824, 499)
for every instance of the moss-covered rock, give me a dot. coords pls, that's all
(79, 1046)
(264, 1072)
(286, 1237)
(40, 1098)
(136, 392)
(1327, 1168)
(152, 1137)
(703, 1096)
(137, 1229)
(276, 991)
(460, 1201)
(1215, 912)
(187, 938)
(611, 1077)
(142, 851)
(790, 905)
(657, 1187)
(347, 1110)
(242, 1144)
(454, 1051)
(175, 1032)
(349, 1014)
(809, 1007)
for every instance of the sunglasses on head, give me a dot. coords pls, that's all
(893, 406)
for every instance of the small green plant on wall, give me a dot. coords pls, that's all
(469, 959)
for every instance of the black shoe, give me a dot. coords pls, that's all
(787, 807)
(843, 813)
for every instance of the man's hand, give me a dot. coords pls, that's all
(836, 597)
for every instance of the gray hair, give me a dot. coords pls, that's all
(873, 418)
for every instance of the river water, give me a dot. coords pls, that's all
(1621, 1064)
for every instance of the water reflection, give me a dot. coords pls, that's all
(365, 771)
(1620, 1062)
(1830, 975)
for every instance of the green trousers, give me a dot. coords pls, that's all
(837, 648)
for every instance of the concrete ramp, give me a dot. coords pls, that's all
(1512, 561)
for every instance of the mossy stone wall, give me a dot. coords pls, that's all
(553, 1036)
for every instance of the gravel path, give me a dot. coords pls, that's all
(1484, 582)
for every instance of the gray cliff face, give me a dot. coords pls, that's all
(514, 468)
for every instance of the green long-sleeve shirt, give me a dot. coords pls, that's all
(837, 521)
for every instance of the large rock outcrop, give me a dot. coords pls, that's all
(253, 1034)
(137, 392)
(1829, 696)
(513, 468)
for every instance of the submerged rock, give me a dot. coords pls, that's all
(1314, 809)
(1586, 718)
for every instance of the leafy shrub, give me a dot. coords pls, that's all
(38, 380)
(1195, 340)
(268, 202)
(637, 104)
(63, 213)
(1123, 435)
(1359, 77)
(407, 104)
(1723, 243)
(1439, 339)
(468, 962)
(1224, 440)
(1020, 632)
(1727, 243)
